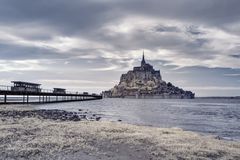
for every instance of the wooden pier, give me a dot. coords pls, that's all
(31, 95)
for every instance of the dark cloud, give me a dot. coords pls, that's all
(235, 55)
(13, 52)
(213, 12)
(194, 30)
(68, 17)
(80, 15)
(163, 28)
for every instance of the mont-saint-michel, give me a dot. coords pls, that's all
(146, 82)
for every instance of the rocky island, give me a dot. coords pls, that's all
(146, 82)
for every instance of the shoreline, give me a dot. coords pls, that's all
(35, 137)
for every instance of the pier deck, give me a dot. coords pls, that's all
(8, 96)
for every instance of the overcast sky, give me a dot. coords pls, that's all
(86, 45)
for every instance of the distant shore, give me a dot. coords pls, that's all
(219, 97)
(26, 134)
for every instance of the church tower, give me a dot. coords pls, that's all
(143, 60)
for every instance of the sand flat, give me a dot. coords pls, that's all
(36, 138)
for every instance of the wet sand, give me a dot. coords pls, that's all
(38, 138)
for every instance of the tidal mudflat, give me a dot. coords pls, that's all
(36, 137)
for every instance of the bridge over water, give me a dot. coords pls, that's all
(30, 93)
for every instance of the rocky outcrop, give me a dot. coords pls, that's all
(145, 82)
(54, 114)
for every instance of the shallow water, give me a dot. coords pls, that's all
(212, 116)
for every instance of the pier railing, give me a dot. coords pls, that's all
(5, 88)
(8, 88)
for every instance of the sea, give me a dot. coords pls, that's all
(212, 116)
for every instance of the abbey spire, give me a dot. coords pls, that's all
(143, 60)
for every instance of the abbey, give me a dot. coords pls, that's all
(145, 82)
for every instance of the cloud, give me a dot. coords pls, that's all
(20, 65)
(233, 75)
(130, 29)
(219, 88)
(78, 39)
